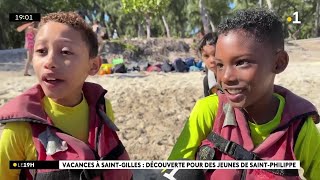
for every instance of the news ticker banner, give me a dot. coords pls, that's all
(182, 164)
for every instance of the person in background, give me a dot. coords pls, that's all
(206, 49)
(96, 27)
(115, 34)
(30, 33)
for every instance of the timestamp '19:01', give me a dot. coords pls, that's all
(16, 17)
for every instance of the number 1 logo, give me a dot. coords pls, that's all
(296, 18)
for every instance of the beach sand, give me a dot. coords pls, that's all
(151, 111)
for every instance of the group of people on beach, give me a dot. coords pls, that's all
(243, 116)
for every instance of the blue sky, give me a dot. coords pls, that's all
(106, 18)
(232, 5)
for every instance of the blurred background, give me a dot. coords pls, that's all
(159, 18)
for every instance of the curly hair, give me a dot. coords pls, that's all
(77, 22)
(208, 39)
(262, 24)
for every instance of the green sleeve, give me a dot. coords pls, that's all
(307, 149)
(196, 129)
(109, 110)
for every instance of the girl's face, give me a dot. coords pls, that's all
(207, 55)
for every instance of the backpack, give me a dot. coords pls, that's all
(167, 66)
(133, 66)
(199, 64)
(153, 68)
(143, 65)
(120, 68)
(194, 69)
(116, 61)
(180, 66)
(190, 61)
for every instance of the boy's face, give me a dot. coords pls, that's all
(207, 55)
(61, 62)
(245, 69)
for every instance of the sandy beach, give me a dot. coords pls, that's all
(151, 109)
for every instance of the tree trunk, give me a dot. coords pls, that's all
(204, 17)
(269, 5)
(148, 21)
(212, 26)
(104, 25)
(102, 21)
(2, 39)
(182, 30)
(166, 26)
(247, 4)
(260, 3)
(113, 22)
(140, 30)
(108, 31)
(317, 21)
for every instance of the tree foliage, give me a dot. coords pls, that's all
(132, 17)
(145, 8)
